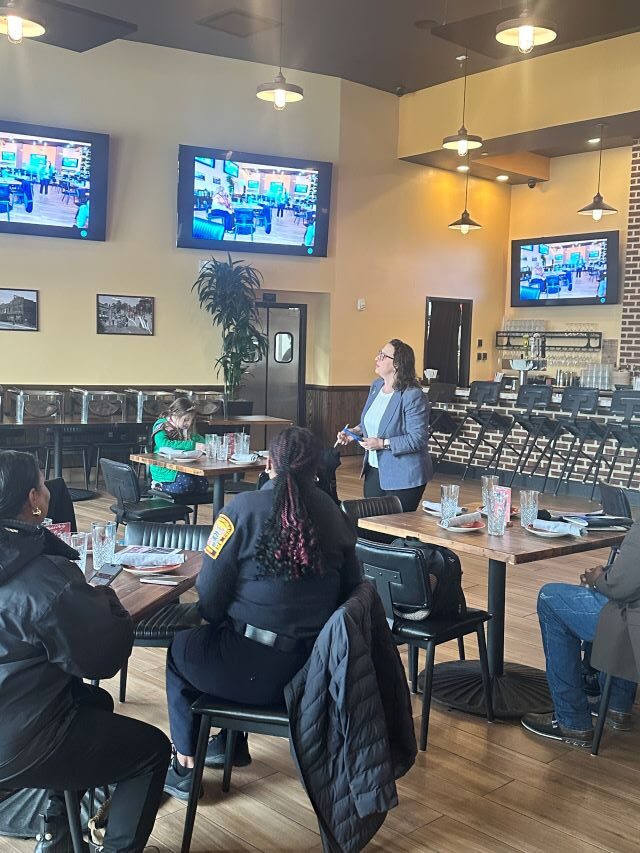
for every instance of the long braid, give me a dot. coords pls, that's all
(288, 547)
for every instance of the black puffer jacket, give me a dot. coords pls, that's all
(54, 630)
(351, 724)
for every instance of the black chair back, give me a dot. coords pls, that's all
(625, 402)
(576, 400)
(187, 537)
(398, 574)
(534, 397)
(484, 393)
(121, 482)
(365, 507)
(441, 392)
(614, 501)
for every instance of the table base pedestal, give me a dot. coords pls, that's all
(519, 690)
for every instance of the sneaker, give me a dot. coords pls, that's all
(178, 783)
(618, 720)
(546, 725)
(218, 745)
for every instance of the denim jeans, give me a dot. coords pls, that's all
(186, 484)
(568, 615)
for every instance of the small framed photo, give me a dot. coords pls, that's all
(124, 315)
(18, 310)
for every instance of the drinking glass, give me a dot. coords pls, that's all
(498, 500)
(223, 448)
(80, 542)
(528, 507)
(103, 535)
(211, 441)
(245, 445)
(488, 482)
(449, 494)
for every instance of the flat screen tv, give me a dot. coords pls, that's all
(575, 269)
(53, 181)
(258, 209)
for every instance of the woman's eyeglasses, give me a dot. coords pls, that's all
(384, 355)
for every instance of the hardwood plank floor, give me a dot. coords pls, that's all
(479, 789)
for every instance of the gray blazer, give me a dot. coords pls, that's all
(405, 423)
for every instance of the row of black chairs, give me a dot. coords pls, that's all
(544, 425)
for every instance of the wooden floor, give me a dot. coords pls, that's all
(479, 787)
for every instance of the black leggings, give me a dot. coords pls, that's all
(409, 498)
(102, 748)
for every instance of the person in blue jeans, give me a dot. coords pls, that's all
(606, 607)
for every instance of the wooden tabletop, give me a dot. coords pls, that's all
(201, 467)
(142, 599)
(516, 546)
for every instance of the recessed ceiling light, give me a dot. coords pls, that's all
(502, 178)
(594, 141)
(461, 57)
(463, 168)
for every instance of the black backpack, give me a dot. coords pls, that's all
(443, 582)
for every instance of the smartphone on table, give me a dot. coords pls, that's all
(107, 574)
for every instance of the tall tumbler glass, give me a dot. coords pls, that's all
(80, 542)
(498, 500)
(488, 482)
(211, 443)
(449, 494)
(223, 448)
(528, 507)
(103, 535)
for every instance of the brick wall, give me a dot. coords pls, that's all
(630, 328)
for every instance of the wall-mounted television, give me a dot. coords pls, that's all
(53, 181)
(574, 269)
(231, 168)
(256, 210)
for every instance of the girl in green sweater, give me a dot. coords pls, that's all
(175, 428)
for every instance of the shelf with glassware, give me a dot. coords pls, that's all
(586, 341)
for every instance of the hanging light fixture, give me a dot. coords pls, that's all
(598, 207)
(465, 223)
(526, 32)
(17, 27)
(462, 141)
(279, 92)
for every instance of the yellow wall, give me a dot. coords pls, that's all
(550, 209)
(149, 99)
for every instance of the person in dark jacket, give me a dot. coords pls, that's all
(56, 629)
(278, 563)
(607, 607)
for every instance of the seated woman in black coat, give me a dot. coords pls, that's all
(55, 629)
(278, 563)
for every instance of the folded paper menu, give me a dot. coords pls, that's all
(462, 520)
(559, 527)
(146, 556)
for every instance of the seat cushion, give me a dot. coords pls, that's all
(155, 509)
(164, 624)
(272, 715)
(441, 628)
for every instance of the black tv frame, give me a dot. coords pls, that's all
(186, 172)
(99, 142)
(613, 270)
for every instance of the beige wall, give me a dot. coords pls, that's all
(149, 99)
(550, 209)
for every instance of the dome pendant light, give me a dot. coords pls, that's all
(526, 32)
(279, 92)
(15, 26)
(598, 207)
(462, 141)
(465, 223)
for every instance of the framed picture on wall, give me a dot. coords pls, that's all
(124, 315)
(18, 310)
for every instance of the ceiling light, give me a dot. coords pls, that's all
(462, 141)
(279, 92)
(598, 207)
(526, 32)
(463, 168)
(502, 178)
(15, 26)
(594, 141)
(465, 223)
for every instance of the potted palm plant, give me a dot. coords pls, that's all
(228, 290)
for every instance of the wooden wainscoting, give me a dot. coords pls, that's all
(330, 407)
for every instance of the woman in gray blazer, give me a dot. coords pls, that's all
(394, 426)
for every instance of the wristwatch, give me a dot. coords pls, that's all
(386, 444)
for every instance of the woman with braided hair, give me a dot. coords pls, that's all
(278, 562)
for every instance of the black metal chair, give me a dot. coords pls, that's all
(401, 579)
(441, 422)
(536, 426)
(187, 499)
(157, 630)
(122, 483)
(119, 440)
(624, 433)
(366, 507)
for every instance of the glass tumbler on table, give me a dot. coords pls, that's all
(223, 448)
(498, 500)
(488, 482)
(103, 536)
(80, 542)
(449, 494)
(211, 443)
(528, 507)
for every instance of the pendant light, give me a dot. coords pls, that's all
(598, 207)
(526, 32)
(462, 141)
(279, 92)
(17, 27)
(465, 223)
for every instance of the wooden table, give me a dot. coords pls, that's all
(201, 467)
(517, 689)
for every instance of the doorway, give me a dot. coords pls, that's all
(447, 339)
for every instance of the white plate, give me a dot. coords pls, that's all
(462, 529)
(547, 534)
(437, 514)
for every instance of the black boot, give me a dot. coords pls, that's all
(218, 745)
(54, 835)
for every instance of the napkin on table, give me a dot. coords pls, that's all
(462, 520)
(559, 527)
(435, 507)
